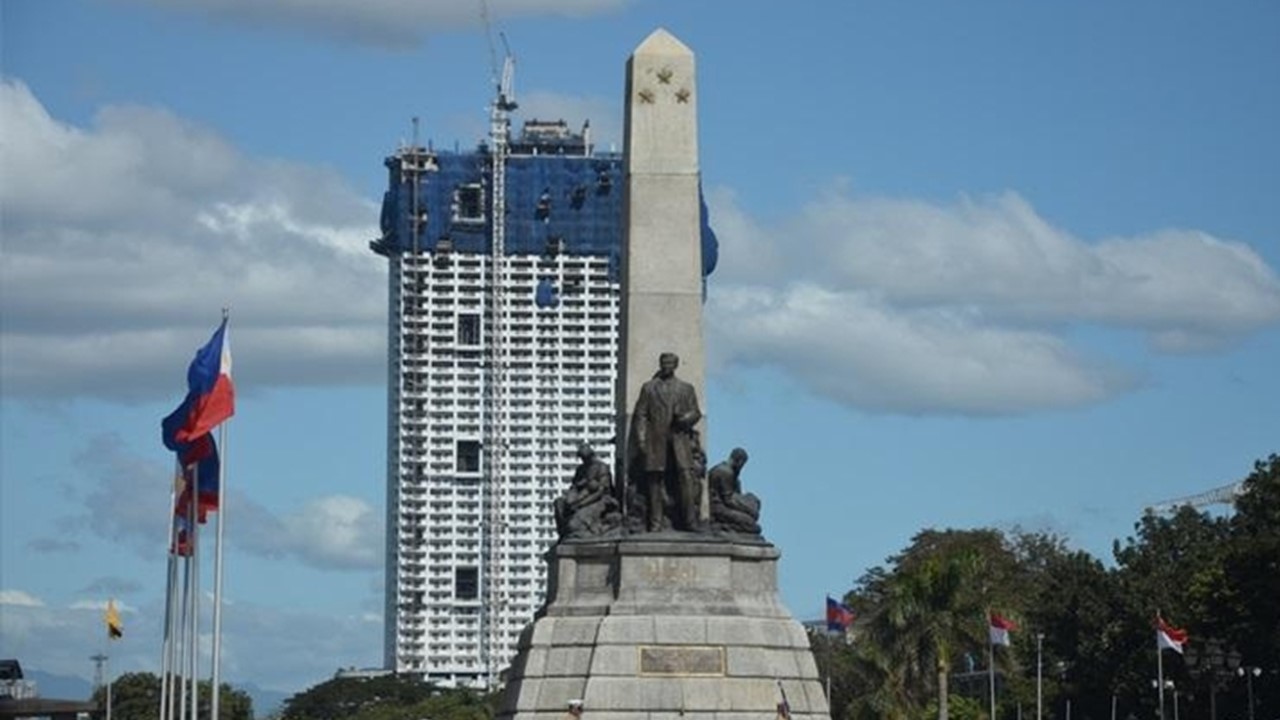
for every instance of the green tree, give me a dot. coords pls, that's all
(136, 696)
(1074, 602)
(929, 611)
(1252, 572)
(386, 697)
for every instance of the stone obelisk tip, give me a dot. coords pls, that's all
(661, 42)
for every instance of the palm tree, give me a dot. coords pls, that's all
(926, 616)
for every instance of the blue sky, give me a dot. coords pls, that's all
(982, 264)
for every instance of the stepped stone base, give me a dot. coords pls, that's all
(663, 627)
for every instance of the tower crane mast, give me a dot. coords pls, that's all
(1224, 495)
(496, 548)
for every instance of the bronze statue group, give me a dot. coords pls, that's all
(666, 467)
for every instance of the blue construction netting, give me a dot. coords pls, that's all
(555, 204)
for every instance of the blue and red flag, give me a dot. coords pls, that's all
(211, 396)
(199, 469)
(210, 400)
(839, 615)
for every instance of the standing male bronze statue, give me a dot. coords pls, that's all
(665, 451)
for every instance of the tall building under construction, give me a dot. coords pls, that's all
(502, 350)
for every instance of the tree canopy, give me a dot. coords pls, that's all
(386, 697)
(919, 647)
(136, 696)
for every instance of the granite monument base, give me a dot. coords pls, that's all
(663, 627)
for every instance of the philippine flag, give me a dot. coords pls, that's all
(998, 629)
(1168, 636)
(211, 397)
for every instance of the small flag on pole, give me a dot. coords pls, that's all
(839, 615)
(998, 628)
(784, 705)
(1168, 636)
(115, 629)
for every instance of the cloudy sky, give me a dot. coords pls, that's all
(982, 264)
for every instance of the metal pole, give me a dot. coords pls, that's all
(1160, 675)
(195, 594)
(217, 577)
(1113, 706)
(180, 653)
(991, 675)
(1175, 704)
(1248, 673)
(1069, 709)
(106, 666)
(1039, 676)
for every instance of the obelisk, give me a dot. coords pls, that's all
(661, 248)
(662, 626)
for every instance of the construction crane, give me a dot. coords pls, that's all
(1225, 495)
(496, 550)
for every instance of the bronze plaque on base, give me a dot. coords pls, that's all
(682, 661)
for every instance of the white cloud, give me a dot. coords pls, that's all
(100, 606)
(888, 304)
(336, 530)
(52, 545)
(908, 306)
(19, 598)
(113, 586)
(998, 255)
(850, 347)
(331, 532)
(127, 498)
(386, 23)
(127, 501)
(124, 240)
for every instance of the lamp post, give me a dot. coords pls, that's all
(1062, 679)
(1210, 660)
(1249, 672)
(1169, 685)
(1039, 676)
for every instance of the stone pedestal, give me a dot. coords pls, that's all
(663, 628)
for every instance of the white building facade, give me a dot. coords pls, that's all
(499, 365)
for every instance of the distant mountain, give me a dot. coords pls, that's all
(70, 687)
(265, 702)
(59, 687)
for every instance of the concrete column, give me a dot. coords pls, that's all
(662, 249)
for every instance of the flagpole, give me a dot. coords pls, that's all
(217, 577)
(171, 574)
(195, 593)
(991, 671)
(1160, 673)
(180, 654)
(107, 666)
(166, 647)
(1039, 674)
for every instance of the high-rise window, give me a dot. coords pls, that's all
(466, 583)
(469, 329)
(468, 456)
(468, 203)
